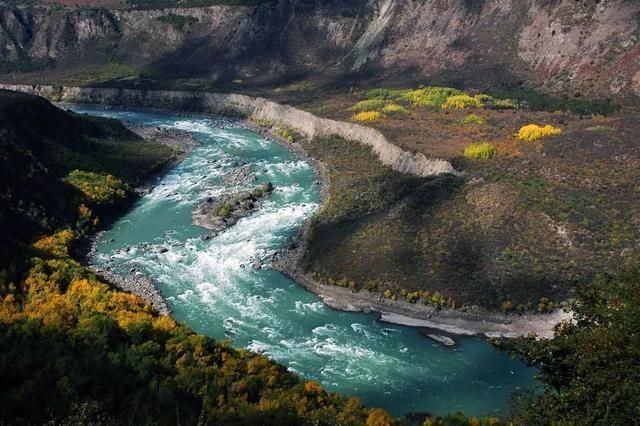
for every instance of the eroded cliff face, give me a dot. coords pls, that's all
(561, 45)
(307, 124)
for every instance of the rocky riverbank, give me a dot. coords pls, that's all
(137, 283)
(474, 321)
(134, 281)
(428, 318)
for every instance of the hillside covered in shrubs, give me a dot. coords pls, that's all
(74, 350)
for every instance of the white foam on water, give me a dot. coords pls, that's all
(305, 308)
(260, 310)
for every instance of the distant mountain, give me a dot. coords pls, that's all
(589, 48)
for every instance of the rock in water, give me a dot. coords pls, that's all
(223, 212)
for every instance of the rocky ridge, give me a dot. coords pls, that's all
(303, 122)
(565, 45)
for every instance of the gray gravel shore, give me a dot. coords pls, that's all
(135, 281)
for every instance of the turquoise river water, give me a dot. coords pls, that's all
(211, 286)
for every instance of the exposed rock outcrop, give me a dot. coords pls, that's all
(591, 47)
(223, 212)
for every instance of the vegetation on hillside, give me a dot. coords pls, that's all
(100, 188)
(78, 352)
(41, 145)
(480, 151)
(104, 357)
(533, 132)
(383, 102)
(162, 4)
(590, 369)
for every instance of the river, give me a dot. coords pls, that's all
(211, 286)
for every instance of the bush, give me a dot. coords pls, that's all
(368, 105)
(505, 104)
(100, 188)
(462, 101)
(472, 119)
(430, 96)
(480, 151)
(224, 211)
(367, 116)
(382, 93)
(533, 132)
(288, 133)
(394, 109)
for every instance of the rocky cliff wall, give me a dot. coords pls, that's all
(586, 46)
(308, 124)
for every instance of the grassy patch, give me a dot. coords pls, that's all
(480, 151)
(368, 105)
(101, 73)
(462, 102)
(161, 4)
(392, 109)
(430, 96)
(472, 119)
(600, 128)
(537, 101)
(224, 211)
(367, 116)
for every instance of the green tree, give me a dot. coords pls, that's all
(591, 368)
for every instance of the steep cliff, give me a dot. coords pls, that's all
(586, 46)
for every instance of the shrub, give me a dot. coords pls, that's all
(430, 96)
(382, 93)
(505, 104)
(394, 109)
(472, 119)
(367, 116)
(480, 151)
(507, 306)
(533, 132)
(600, 128)
(98, 187)
(368, 105)
(462, 101)
(262, 123)
(288, 133)
(224, 211)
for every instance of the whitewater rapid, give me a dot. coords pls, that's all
(211, 285)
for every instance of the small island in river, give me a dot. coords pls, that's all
(217, 214)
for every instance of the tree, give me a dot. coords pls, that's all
(591, 367)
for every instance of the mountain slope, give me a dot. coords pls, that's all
(75, 351)
(586, 47)
(39, 146)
